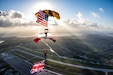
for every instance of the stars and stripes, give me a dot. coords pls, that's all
(42, 18)
(38, 67)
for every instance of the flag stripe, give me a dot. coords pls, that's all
(38, 67)
(42, 18)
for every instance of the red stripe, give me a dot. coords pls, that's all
(38, 67)
(41, 19)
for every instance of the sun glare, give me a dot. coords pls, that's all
(41, 6)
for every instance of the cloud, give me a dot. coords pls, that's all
(15, 24)
(17, 18)
(11, 14)
(101, 9)
(95, 15)
(81, 22)
(14, 18)
(15, 14)
(52, 21)
(17, 31)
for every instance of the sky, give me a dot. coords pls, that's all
(77, 13)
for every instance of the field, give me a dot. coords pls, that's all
(85, 50)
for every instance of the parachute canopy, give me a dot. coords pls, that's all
(49, 13)
(42, 16)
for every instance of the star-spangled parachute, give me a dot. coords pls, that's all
(42, 16)
(38, 67)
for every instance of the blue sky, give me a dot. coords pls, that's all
(68, 9)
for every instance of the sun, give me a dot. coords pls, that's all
(44, 5)
(41, 6)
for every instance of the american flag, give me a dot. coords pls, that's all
(42, 18)
(38, 67)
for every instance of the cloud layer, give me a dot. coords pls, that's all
(14, 18)
(81, 22)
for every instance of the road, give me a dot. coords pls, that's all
(78, 66)
(22, 66)
(50, 48)
(17, 63)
